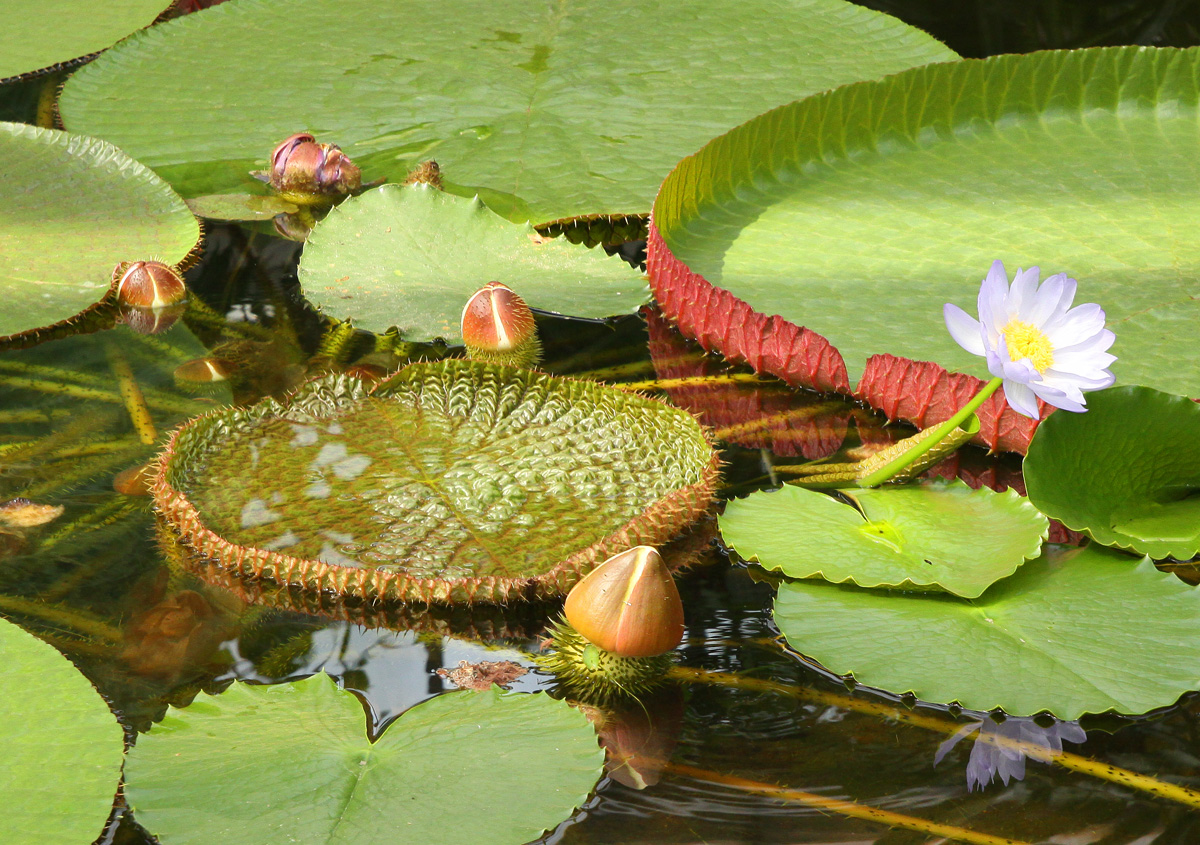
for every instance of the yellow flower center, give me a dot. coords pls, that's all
(1026, 341)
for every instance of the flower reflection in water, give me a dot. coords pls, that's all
(1002, 747)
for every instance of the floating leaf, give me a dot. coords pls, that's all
(292, 763)
(939, 535)
(1127, 471)
(62, 745)
(1076, 631)
(38, 34)
(453, 481)
(859, 212)
(71, 208)
(241, 206)
(546, 111)
(412, 257)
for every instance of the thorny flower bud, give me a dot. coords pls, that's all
(201, 374)
(425, 173)
(148, 284)
(498, 328)
(628, 605)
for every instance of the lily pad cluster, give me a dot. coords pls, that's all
(453, 481)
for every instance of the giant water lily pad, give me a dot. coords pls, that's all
(858, 213)
(62, 745)
(453, 481)
(942, 535)
(1127, 472)
(1076, 631)
(40, 33)
(71, 208)
(412, 257)
(292, 763)
(547, 111)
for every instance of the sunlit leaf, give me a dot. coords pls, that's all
(1076, 631)
(292, 763)
(71, 208)
(412, 257)
(62, 745)
(547, 111)
(859, 212)
(1127, 471)
(941, 535)
(40, 33)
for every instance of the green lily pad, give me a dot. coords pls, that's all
(292, 763)
(941, 536)
(38, 34)
(241, 206)
(451, 481)
(858, 213)
(62, 745)
(1126, 472)
(71, 208)
(412, 257)
(1076, 631)
(546, 111)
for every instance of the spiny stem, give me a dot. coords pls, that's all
(1074, 762)
(842, 807)
(690, 381)
(891, 470)
(135, 402)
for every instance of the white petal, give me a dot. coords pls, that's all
(1091, 380)
(967, 333)
(993, 293)
(1059, 399)
(1048, 303)
(1023, 293)
(1021, 399)
(1076, 326)
(1094, 345)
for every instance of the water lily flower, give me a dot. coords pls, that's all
(1034, 341)
(1001, 748)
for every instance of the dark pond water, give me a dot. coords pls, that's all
(97, 584)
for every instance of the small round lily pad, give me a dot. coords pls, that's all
(1126, 472)
(940, 536)
(292, 763)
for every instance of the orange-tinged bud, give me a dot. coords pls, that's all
(628, 605)
(148, 284)
(202, 371)
(498, 327)
(135, 481)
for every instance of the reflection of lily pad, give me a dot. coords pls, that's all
(412, 257)
(1127, 472)
(62, 746)
(71, 208)
(940, 535)
(292, 763)
(38, 34)
(1075, 631)
(859, 212)
(558, 109)
(452, 481)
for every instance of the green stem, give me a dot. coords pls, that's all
(891, 470)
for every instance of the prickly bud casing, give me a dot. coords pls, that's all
(628, 605)
(498, 328)
(148, 284)
(308, 173)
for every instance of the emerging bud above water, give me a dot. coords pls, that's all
(498, 328)
(628, 605)
(148, 284)
(309, 173)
